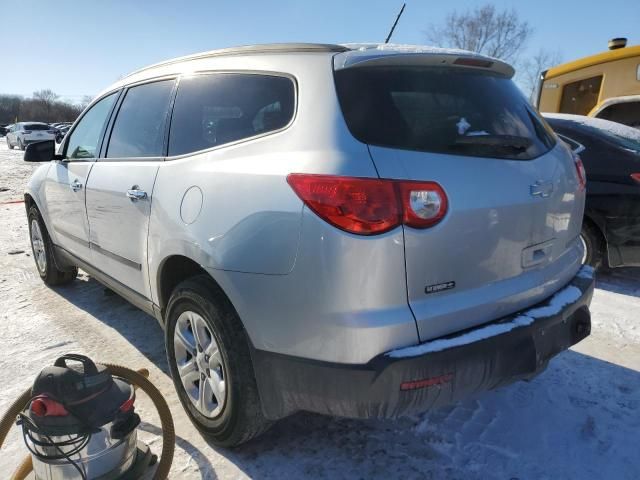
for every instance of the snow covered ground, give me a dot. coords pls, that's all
(578, 420)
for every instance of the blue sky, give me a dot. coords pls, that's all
(78, 47)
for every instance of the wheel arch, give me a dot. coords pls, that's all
(175, 269)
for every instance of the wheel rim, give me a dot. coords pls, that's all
(37, 243)
(584, 249)
(200, 365)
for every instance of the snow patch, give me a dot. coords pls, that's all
(587, 271)
(614, 128)
(556, 303)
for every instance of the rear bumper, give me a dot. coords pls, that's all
(434, 373)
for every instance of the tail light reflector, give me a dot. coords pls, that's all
(582, 174)
(370, 206)
(636, 177)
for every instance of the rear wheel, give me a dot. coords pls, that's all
(42, 249)
(20, 144)
(9, 144)
(210, 363)
(594, 245)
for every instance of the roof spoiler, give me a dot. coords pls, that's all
(372, 56)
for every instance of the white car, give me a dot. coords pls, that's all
(23, 133)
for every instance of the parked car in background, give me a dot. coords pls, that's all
(62, 130)
(610, 153)
(3, 130)
(361, 231)
(23, 133)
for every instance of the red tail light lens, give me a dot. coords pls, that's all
(636, 177)
(368, 206)
(582, 174)
(358, 205)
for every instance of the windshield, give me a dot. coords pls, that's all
(36, 126)
(442, 110)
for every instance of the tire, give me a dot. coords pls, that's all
(20, 144)
(9, 144)
(235, 416)
(594, 245)
(42, 249)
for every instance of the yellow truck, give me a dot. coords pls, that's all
(605, 85)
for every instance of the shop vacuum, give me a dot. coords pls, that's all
(79, 421)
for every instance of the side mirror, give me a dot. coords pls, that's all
(44, 151)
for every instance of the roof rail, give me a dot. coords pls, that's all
(252, 50)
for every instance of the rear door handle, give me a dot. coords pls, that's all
(76, 185)
(136, 194)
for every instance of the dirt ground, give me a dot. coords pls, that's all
(579, 419)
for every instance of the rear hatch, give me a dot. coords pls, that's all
(510, 235)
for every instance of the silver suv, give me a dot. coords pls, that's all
(358, 230)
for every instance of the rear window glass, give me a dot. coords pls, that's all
(36, 126)
(216, 109)
(441, 110)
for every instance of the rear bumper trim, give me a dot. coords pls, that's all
(435, 373)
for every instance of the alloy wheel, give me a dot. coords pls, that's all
(199, 363)
(37, 243)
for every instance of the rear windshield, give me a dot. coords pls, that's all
(36, 126)
(441, 110)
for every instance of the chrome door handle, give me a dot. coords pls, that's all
(76, 185)
(136, 194)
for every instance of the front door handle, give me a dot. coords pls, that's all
(136, 194)
(76, 185)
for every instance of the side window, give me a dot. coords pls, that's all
(220, 108)
(627, 113)
(580, 97)
(139, 127)
(84, 139)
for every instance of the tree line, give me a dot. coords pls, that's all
(42, 106)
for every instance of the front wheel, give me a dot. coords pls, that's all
(210, 362)
(9, 145)
(42, 249)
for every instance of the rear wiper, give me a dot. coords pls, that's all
(511, 142)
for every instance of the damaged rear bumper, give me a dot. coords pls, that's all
(434, 373)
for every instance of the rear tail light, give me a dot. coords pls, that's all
(636, 177)
(580, 171)
(368, 206)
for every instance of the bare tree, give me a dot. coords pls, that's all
(500, 34)
(529, 72)
(47, 99)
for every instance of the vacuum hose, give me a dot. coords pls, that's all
(137, 379)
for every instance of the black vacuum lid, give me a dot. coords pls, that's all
(87, 391)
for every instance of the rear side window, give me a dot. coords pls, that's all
(580, 97)
(441, 110)
(139, 128)
(216, 109)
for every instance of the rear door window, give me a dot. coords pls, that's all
(139, 128)
(441, 110)
(216, 109)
